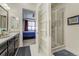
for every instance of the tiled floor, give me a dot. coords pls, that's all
(33, 46)
(34, 50)
(28, 42)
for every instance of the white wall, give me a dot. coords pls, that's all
(28, 14)
(71, 32)
(15, 22)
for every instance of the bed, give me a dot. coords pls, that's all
(28, 35)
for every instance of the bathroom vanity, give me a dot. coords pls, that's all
(9, 40)
(9, 44)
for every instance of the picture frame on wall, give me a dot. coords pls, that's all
(73, 20)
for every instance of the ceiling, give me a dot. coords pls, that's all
(22, 5)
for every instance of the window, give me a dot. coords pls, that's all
(31, 25)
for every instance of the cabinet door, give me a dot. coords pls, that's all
(11, 47)
(4, 53)
(3, 47)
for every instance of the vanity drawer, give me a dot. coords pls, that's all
(11, 49)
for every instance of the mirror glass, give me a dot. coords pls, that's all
(3, 19)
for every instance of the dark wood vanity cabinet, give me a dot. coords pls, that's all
(10, 47)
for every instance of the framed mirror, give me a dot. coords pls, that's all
(3, 19)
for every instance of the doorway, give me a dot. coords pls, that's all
(29, 27)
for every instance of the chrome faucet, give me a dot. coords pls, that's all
(2, 33)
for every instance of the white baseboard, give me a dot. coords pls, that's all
(58, 48)
(72, 51)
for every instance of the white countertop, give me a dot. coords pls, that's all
(11, 35)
